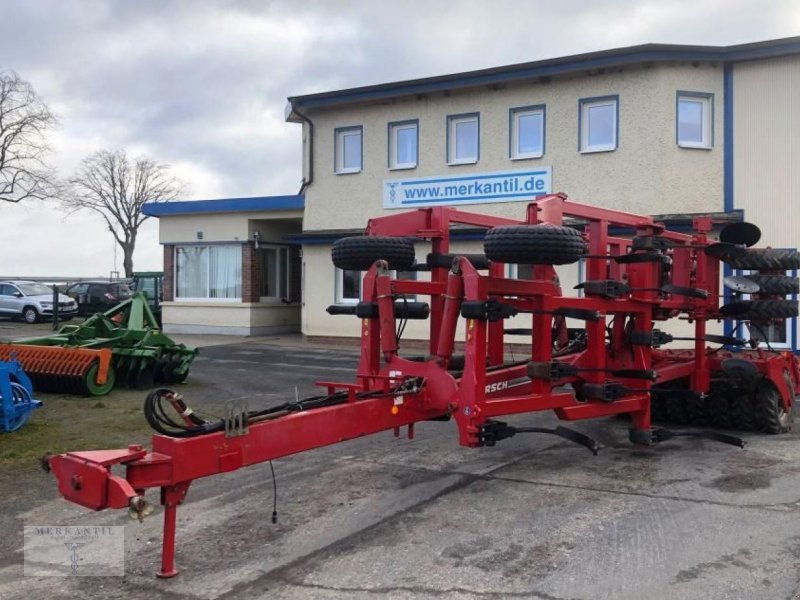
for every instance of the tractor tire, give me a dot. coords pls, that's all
(719, 404)
(766, 310)
(360, 252)
(743, 411)
(764, 259)
(770, 415)
(780, 285)
(699, 411)
(534, 245)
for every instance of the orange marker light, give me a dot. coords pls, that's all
(395, 410)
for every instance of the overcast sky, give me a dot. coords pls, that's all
(202, 85)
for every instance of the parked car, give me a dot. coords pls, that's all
(33, 301)
(98, 296)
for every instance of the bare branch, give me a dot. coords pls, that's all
(110, 184)
(25, 122)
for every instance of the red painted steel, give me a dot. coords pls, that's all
(485, 387)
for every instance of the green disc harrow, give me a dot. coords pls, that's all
(76, 358)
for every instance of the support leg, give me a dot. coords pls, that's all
(171, 497)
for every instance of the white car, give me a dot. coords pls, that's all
(33, 301)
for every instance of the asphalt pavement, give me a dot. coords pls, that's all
(533, 517)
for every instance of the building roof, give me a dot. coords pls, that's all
(224, 205)
(616, 57)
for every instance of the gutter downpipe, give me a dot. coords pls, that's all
(307, 182)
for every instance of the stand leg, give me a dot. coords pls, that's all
(171, 497)
(168, 543)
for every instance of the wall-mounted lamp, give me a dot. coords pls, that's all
(256, 238)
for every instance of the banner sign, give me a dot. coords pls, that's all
(498, 186)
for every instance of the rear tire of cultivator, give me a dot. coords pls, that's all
(720, 407)
(699, 410)
(780, 285)
(769, 412)
(360, 252)
(658, 411)
(677, 409)
(92, 388)
(763, 259)
(766, 310)
(743, 411)
(534, 245)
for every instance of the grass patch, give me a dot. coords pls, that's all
(67, 423)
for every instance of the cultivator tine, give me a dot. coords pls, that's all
(660, 435)
(492, 432)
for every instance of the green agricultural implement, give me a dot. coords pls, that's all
(120, 346)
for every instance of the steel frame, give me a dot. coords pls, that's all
(486, 387)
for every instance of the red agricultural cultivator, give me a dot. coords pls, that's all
(637, 274)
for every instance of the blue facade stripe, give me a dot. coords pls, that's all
(727, 128)
(257, 204)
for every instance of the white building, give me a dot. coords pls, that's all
(653, 129)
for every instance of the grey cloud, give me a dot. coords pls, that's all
(204, 83)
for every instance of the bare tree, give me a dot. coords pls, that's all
(25, 122)
(116, 187)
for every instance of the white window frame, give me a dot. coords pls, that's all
(284, 270)
(452, 127)
(514, 117)
(585, 105)
(706, 101)
(208, 274)
(339, 284)
(394, 128)
(340, 134)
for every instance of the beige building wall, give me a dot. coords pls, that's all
(223, 227)
(766, 143)
(647, 173)
(229, 318)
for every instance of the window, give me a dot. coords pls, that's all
(463, 146)
(348, 286)
(275, 272)
(348, 150)
(527, 132)
(403, 144)
(598, 123)
(694, 120)
(209, 272)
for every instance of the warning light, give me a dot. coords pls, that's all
(395, 410)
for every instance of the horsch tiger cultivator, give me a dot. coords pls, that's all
(638, 274)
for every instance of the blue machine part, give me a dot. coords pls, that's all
(16, 396)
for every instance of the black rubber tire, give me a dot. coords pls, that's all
(766, 310)
(677, 410)
(699, 411)
(743, 411)
(766, 259)
(720, 407)
(360, 252)
(781, 285)
(534, 245)
(658, 411)
(769, 412)
(30, 315)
